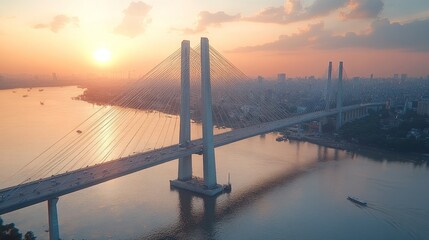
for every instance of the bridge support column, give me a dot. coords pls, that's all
(185, 163)
(340, 97)
(327, 97)
(54, 231)
(329, 88)
(209, 168)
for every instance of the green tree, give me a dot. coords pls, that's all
(29, 236)
(10, 232)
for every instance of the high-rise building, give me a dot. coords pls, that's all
(395, 76)
(423, 107)
(281, 77)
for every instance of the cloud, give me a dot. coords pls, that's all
(363, 9)
(383, 34)
(135, 20)
(302, 39)
(293, 11)
(59, 22)
(206, 19)
(324, 7)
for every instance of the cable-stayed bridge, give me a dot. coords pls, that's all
(210, 89)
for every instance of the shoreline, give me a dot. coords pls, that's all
(362, 149)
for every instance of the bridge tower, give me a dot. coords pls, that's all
(185, 163)
(329, 87)
(208, 185)
(209, 168)
(327, 97)
(340, 97)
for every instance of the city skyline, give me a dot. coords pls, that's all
(262, 38)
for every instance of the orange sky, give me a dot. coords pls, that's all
(260, 37)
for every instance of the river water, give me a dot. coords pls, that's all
(281, 190)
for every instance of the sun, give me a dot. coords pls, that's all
(102, 55)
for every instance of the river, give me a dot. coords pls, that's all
(280, 190)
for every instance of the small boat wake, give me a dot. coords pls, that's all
(410, 221)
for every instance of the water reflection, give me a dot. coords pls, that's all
(191, 222)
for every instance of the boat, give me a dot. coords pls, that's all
(42, 103)
(357, 200)
(280, 139)
(79, 131)
(41, 90)
(25, 95)
(227, 187)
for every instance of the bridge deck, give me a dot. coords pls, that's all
(37, 191)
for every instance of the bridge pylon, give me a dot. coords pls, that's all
(328, 97)
(329, 88)
(185, 163)
(340, 97)
(208, 185)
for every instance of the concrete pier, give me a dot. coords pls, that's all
(54, 230)
(340, 97)
(197, 185)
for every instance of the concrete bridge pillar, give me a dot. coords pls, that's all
(329, 87)
(54, 231)
(209, 168)
(340, 97)
(185, 163)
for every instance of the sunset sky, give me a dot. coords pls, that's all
(297, 37)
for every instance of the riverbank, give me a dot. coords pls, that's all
(331, 142)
